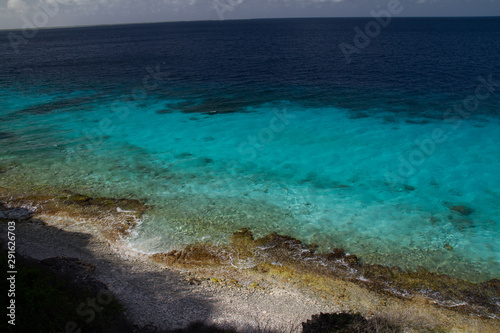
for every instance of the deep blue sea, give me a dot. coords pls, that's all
(392, 154)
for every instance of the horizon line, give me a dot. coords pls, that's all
(249, 19)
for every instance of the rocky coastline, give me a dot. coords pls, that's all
(339, 281)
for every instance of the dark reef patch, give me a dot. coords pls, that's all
(4, 135)
(461, 209)
(212, 106)
(164, 111)
(76, 102)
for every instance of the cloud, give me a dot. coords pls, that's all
(88, 12)
(16, 5)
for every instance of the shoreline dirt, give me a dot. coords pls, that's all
(274, 282)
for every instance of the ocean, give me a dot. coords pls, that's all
(382, 142)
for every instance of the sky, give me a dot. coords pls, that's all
(18, 14)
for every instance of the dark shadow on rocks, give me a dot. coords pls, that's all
(348, 323)
(14, 214)
(155, 300)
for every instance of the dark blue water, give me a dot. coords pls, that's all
(268, 124)
(410, 56)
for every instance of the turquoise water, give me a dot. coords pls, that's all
(262, 124)
(318, 174)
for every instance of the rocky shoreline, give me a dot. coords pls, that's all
(268, 271)
(283, 257)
